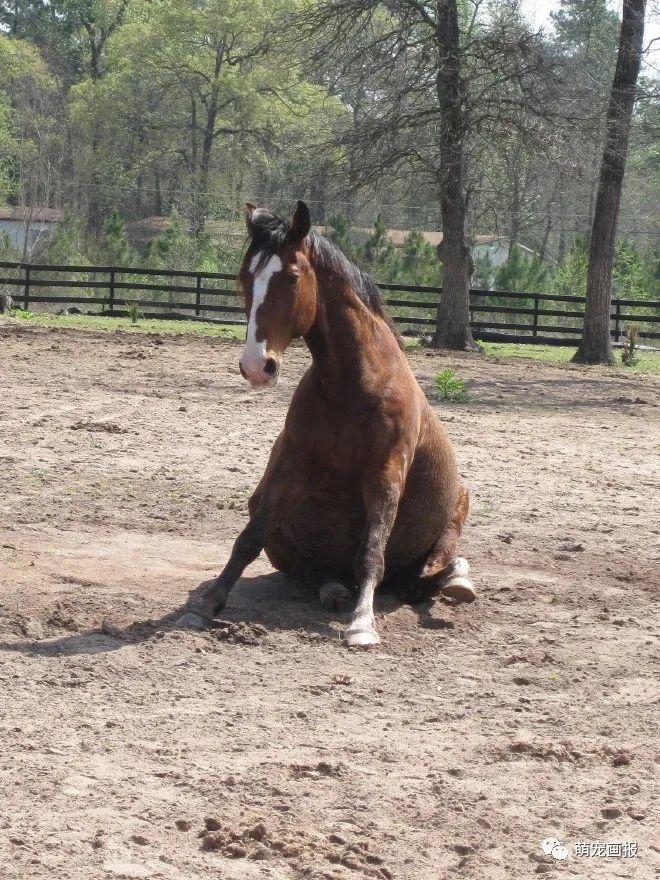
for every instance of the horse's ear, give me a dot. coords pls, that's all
(249, 213)
(301, 223)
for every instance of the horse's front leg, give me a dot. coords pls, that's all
(247, 547)
(381, 496)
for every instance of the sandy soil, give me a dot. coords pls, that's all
(264, 748)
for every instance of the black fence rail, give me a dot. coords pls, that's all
(213, 296)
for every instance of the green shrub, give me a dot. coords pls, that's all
(451, 388)
(134, 312)
(629, 356)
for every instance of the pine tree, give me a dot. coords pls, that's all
(67, 246)
(116, 248)
(339, 231)
(420, 264)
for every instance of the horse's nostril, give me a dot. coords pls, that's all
(270, 367)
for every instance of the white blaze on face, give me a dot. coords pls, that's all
(253, 358)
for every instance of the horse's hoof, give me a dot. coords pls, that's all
(192, 620)
(460, 567)
(336, 597)
(361, 638)
(460, 589)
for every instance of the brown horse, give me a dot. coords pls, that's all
(362, 485)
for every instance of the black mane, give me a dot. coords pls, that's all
(269, 234)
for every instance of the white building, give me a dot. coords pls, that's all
(495, 247)
(38, 224)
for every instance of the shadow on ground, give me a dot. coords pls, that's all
(274, 602)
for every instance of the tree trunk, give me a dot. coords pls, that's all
(453, 318)
(514, 222)
(596, 344)
(211, 106)
(548, 224)
(561, 244)
(158, 196)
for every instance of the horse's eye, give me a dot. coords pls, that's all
(292, 279)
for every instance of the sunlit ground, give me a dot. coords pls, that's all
(648, 362)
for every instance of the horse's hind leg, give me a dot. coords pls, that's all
(333, 595)
(443, 571)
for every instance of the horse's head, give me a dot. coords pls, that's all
(279, 286)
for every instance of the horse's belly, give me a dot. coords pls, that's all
(327, 532)
(322, 531)
(322, 520)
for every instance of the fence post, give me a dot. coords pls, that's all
(111, 295)
(198, 294)
(26, 291)
(535, 319)
(617, 320)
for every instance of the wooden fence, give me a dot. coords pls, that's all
(212, 296)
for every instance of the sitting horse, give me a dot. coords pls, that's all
(362, 486)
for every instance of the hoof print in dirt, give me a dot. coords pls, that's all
(437, 623)
(559, 752)
(305, 636)
(306, 771)
(251, 843)
(238, 633)
(258, 843)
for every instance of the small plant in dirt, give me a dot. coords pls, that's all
(629, 356)
(134, 312)
(451, 388)
(21, 313)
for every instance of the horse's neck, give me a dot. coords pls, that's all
(339, 335)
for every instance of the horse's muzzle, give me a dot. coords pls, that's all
(268, 374)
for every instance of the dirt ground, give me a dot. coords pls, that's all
(264, 748)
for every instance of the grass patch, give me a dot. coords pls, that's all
(648, 362)
(145, 325)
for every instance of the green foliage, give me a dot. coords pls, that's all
(520, 273)
(419, 263)
(588, 30)
(414, 263)
(570, 276)
(484, 272)
(172, 249)
(25, 123)
(339, 231)
(115, 249)
(8, 250)
(632, 276)
(629, 356)
(134, 312)
(451, 388)
(8, 150)
(67, 246)
(379, 248)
